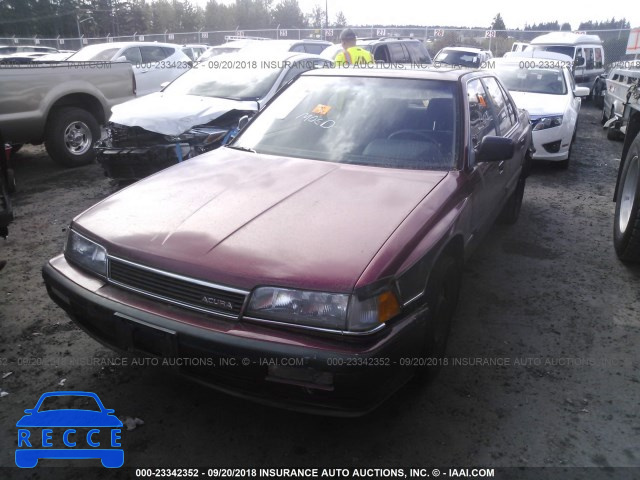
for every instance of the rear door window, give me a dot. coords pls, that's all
(133, 55)
(153, 54)
(398, 53)
(418, 53)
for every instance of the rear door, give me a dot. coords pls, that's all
(149, 75)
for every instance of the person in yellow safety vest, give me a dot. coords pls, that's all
(351, 54)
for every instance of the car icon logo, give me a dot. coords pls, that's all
(69, 425)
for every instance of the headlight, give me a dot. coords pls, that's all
(85, 253)
(548, 122)
(332, 311)
(299, 307)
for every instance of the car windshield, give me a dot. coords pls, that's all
(384, 122)
(68, 402)
(458, 57)
(564, 50)
(532, 80)
(229, 78)
(94, 53)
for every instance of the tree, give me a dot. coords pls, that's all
(287, 14)
(341, 20)
(498, 24)
(316, 17)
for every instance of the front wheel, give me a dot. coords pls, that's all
(70, 136)
(626, 224)
(443, 289)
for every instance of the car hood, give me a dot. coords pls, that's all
(69, 418)
(173, 114)
(538, 104)
(244, 219)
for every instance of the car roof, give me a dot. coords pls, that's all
(465, 49)
(134, 44)
(275, 55)
(529, 54)
(381, 71)
(371, 41)
(565, 38)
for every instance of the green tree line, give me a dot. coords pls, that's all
(97, 18)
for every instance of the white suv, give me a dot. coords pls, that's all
(470, 57)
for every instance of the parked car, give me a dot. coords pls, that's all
(518, 47)
(306, 45)
(545, 88)
(9, 49)
(194, 51)
(39, 104)
(585, 50)
(390, 50)
(626, 224)
(153, 63)
(55, 57)
(231, 46)
(618, 84)
(196, 113)
(324, 246)
(470, 57)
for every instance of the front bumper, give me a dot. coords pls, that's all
(326, 375)
(543, 141)
(134, 163)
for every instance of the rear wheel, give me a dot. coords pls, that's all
(70, 136)
(626, 225)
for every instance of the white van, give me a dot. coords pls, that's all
(586, 51)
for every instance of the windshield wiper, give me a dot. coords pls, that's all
(244, 149)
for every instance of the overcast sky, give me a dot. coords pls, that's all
(467, 13)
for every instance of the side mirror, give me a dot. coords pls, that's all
(243, 122)
(495, 149)
(121, 58)
(581, 91)
(579, 62)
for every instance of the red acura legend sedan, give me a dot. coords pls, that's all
(315, 261)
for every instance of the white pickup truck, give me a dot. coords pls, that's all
(61, 105)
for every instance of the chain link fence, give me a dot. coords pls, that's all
(434, 38)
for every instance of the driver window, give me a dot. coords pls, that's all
(481, 120)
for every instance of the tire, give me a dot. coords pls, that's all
(626, 224)
(604, 117)
(70, 136)
(511, 210)
(612, 132)
(443, 289)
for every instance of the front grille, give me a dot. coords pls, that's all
(183, 291)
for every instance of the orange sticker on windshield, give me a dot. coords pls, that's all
(321, 109)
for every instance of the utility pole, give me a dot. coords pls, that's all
(326, 13)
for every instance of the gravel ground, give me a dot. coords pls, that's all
(546, 298)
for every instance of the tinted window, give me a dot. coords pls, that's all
(398, 53)
(590, 62)
(382, 54)
(297, 48)
(418, 53)
(383, 122)
(499, 105)
(481, 121)
(152, 54)
(598, 60)
(133, 55)
(458, 58)
(314, 48)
